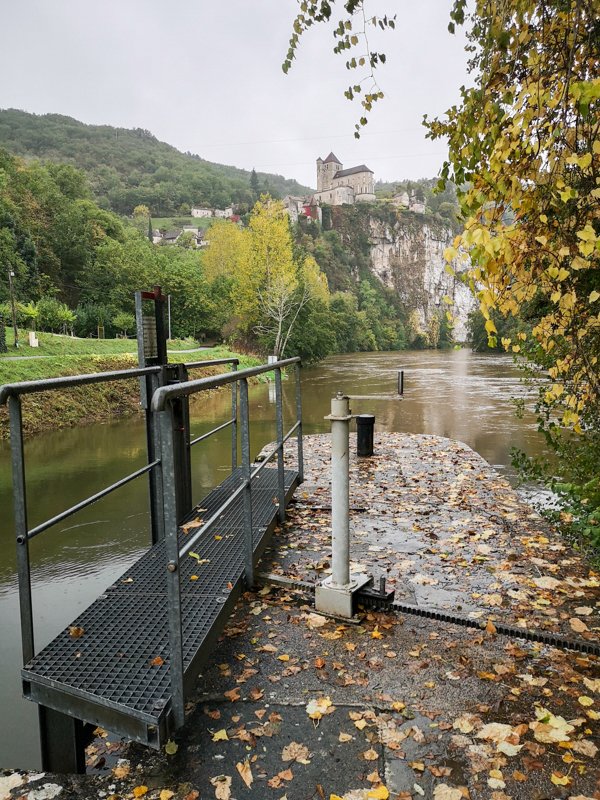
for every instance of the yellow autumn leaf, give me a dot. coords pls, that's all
(560, 780)
(140, 791)
(220, 736)
(594, 296)
(283, 658)
(584, 700)
(171, 748)
(376, 633)
(166, 794)
(380, 793)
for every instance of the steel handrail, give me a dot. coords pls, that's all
(89, 500)
(66, 381)
(208, 363)
(165, 393)
(211, 432)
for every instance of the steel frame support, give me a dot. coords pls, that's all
(299, 421)
(181, 443)
(280, 462)
(168, 470)
(148, 386)
(63, 741)
(234, 424)
(21, 527)
(247, 477)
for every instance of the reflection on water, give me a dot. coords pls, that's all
(455, 394)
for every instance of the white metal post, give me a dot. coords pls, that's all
(334, 595)
(340, 490)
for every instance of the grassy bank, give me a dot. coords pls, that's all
(53, 344)
(92, 403)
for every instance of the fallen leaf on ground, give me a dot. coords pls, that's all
(444, 792)
(370, 755)
(166, 794)
(220, 736)
(578, 625)
(76, 631)
(157, 662)
(295, 752)
(245, 772)
(140, 791)
(319, 707)
(171, 748)
(233, 694)
(315, 620)
(379, 793)
(222, 784)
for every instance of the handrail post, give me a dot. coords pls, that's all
(21, 528)
(234, 424)
(181, 441)
(149, 384)
(280, 462)
(246, 476)
(299, 421)
(172, 562)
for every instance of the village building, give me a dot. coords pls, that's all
(223, 213)
(302, 207)
(337, 186)
(202, 212)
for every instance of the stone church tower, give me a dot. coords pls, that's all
(337, 186)
(326, 171)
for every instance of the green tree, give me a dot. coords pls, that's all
(254, 185)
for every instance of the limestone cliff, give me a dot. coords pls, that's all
(407, 255)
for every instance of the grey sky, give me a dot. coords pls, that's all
(206, 77)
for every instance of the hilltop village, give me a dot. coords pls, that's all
(336, 186)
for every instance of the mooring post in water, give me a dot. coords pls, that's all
(334, 595)
(400, 381)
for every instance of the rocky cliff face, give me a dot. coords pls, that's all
(408, 256)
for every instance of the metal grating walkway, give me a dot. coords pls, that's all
(106, 677)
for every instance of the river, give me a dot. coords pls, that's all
(456, 394)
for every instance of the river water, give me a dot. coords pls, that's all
(456, 394)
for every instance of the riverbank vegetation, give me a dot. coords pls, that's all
(95, 402)
(266, 286)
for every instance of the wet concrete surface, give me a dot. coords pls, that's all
(395, 706)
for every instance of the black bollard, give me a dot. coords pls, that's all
(365, 424)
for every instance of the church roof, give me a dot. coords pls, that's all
(352, 171)
(333, 158)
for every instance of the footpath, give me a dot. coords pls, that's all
(295, 706)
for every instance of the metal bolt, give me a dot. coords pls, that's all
(172, 566)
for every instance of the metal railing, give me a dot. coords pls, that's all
(10, 394)
(163, 401)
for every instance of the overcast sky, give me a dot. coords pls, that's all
(206, 77)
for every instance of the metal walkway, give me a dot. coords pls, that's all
(116, 674)
(130, 660)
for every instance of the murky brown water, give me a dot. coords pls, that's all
(455, 394)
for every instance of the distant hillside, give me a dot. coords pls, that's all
(127, 168)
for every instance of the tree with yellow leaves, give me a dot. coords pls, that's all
(524, 152)
(271, 285)
(525, 146)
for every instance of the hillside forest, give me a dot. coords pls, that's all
(266, 285)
